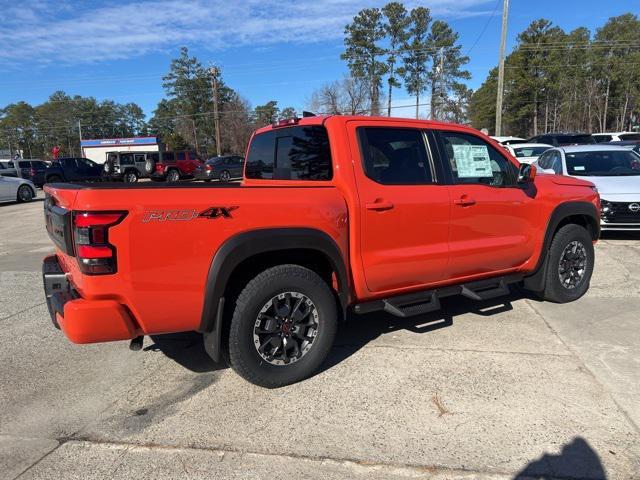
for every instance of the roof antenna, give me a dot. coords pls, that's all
(306, 114)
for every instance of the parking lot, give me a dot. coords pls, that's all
(494, 390)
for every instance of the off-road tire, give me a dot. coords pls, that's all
(24, 194)
(554, 290)
(242, 353)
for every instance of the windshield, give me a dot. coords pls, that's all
(522, 152)
(603, 164)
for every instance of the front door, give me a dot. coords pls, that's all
(404, 209)
(493, 224)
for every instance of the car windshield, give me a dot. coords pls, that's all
(522, 152)
(603, 163)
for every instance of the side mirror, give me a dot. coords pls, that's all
(526, 173)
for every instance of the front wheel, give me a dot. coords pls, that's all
(25, 194)
(283, 326)
(570, 264)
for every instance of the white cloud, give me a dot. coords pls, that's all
(61, 31)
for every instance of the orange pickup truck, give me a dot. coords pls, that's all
(334, 214)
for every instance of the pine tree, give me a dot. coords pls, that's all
(415, 71)
(447, 64)
(363, 52)
(396, 29)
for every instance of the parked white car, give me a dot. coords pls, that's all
(615, 171)
(527, 152)
(509, 140)
(615, 136)
(16, 189)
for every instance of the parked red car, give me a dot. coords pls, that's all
(173, 166)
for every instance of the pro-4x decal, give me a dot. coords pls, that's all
(185, 215)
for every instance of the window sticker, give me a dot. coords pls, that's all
(472, 161)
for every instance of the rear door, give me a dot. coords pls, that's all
(493, 219)
(404, 208)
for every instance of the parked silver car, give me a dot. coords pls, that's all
(615, 171)
(16, 189)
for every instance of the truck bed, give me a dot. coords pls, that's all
(167, 241)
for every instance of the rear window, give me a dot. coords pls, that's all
(602, 138)
(294, 153)
(39, 166)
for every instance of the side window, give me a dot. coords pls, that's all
(168, 156)
(261, 156)
(293, 153)
(154, 156)
(24, 164)
(139, 157)
(556, 163)
(181, 156)
(543, 161)
(395, 156)
(84, 163)
(472, 160)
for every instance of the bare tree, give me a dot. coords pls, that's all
(349, 96)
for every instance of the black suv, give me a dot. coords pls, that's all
(128, 166)
(73, 170)
(562, 139)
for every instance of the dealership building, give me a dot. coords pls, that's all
(97, 150)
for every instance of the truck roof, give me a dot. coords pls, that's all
(320, 120)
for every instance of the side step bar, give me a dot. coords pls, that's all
(408, 305)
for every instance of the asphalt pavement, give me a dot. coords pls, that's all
(513, 388)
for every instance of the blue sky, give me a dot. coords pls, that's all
(267, 49)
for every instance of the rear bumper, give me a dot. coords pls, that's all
(81, 320)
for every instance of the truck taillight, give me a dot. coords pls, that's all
(159, 168)
(208, 167)
(96, 256)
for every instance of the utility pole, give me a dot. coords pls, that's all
(216, 116)
(195, 135)
(442, 90)
(80, 137)
(503, 41)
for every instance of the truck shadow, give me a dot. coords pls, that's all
(359, 330)
(187, 348)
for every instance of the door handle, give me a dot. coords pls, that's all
(379, 205)
(465, 201)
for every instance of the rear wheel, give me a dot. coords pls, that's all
(283, 326)
(25, 194)
(570, 264)
(130, 177)
(173, 176)
(225, 176)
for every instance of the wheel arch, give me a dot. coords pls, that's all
(581, 213)
(245, 255)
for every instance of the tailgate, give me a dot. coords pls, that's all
(58, 222)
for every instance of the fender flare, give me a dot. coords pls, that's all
(247, 244)
(535, 281)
